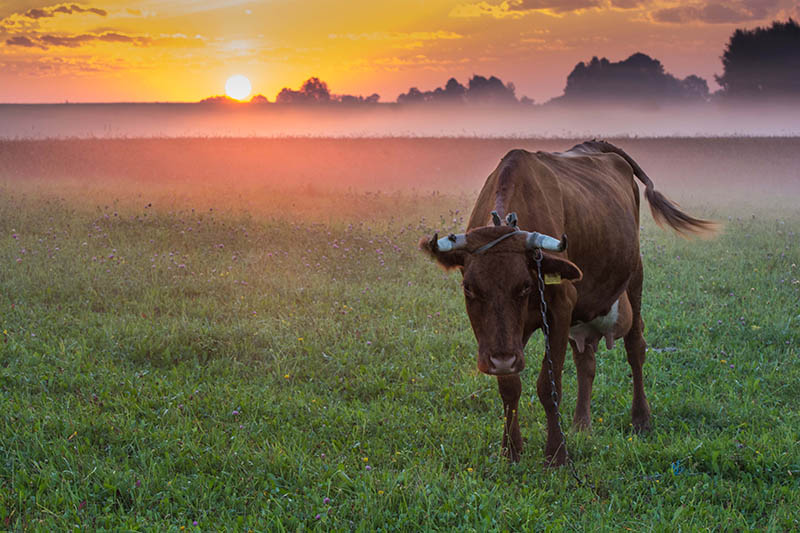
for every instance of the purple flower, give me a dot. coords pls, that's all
(368, 467)
(318, 516)
(326, 500)
(194, 522)
(235, 412)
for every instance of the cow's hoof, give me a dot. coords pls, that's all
(512, 454)
(641, 425)
(556, 458)
(582, 423)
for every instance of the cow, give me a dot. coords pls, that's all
(519, 277)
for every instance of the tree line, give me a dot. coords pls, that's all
(758, 64)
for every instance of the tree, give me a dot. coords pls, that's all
(479, 90)
(490, 91)
(638, 78)
(764, 62)
(313, 91)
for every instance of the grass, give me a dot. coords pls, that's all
(168, 358)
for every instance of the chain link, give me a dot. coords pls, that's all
(537, 256)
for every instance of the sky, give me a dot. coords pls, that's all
(185, 50)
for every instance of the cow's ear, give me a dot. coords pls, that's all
(556, 265)
(447, 260)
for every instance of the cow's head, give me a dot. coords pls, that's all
(501, 287)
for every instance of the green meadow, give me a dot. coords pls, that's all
(252, 352)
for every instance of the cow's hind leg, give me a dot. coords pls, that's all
(635, 347)
(510, 391)
(585, 366)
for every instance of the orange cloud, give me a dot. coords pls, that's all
(520, 8)
(719, 12)
(67, 9)
(21, 40)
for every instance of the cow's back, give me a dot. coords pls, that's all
(590, 197)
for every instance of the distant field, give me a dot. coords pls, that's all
(240, 333)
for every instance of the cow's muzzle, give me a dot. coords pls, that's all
(502, 364)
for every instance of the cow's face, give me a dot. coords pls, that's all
(501, 294)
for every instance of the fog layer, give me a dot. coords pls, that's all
(391, 120)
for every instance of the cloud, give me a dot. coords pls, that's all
(520, 8)
(67, 9)
(497, 11)
(21, 40)
(398, 36)
(562, 6)
(718, 12)
(74, 41)
(71, 41)
(47, 40)
(626, 4)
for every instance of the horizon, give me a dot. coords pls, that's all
(181, 52)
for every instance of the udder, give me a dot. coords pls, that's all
(611, 326)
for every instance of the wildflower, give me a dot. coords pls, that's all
(235, 412)
(194, 522)
(318, 516)
(380, 492)
(326, 500)
(368, 468)
(600, 419)
(286, 376)
(469, 469)
(365, 459)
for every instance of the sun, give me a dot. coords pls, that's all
(238, 87)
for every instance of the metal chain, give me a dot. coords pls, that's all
(537, 256)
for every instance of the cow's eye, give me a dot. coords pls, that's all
(468, 291)
(525, 291)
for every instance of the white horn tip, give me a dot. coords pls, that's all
(538, 240)
(451, 242)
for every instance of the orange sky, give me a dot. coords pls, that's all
(158, 50)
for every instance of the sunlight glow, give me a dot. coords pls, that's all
(238, 87)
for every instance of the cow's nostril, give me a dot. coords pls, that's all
(503, 364)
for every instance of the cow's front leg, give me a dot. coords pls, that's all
(560, 304)
(510, 390)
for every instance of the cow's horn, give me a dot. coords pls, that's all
(496, 218)
(451, 242)
(545, 242)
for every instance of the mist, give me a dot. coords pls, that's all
(47, 121)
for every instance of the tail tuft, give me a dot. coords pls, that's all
(667, 214)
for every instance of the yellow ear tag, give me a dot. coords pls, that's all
(552, 279)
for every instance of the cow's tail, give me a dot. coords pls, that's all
(664, 211)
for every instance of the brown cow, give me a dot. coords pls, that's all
(592, 290)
